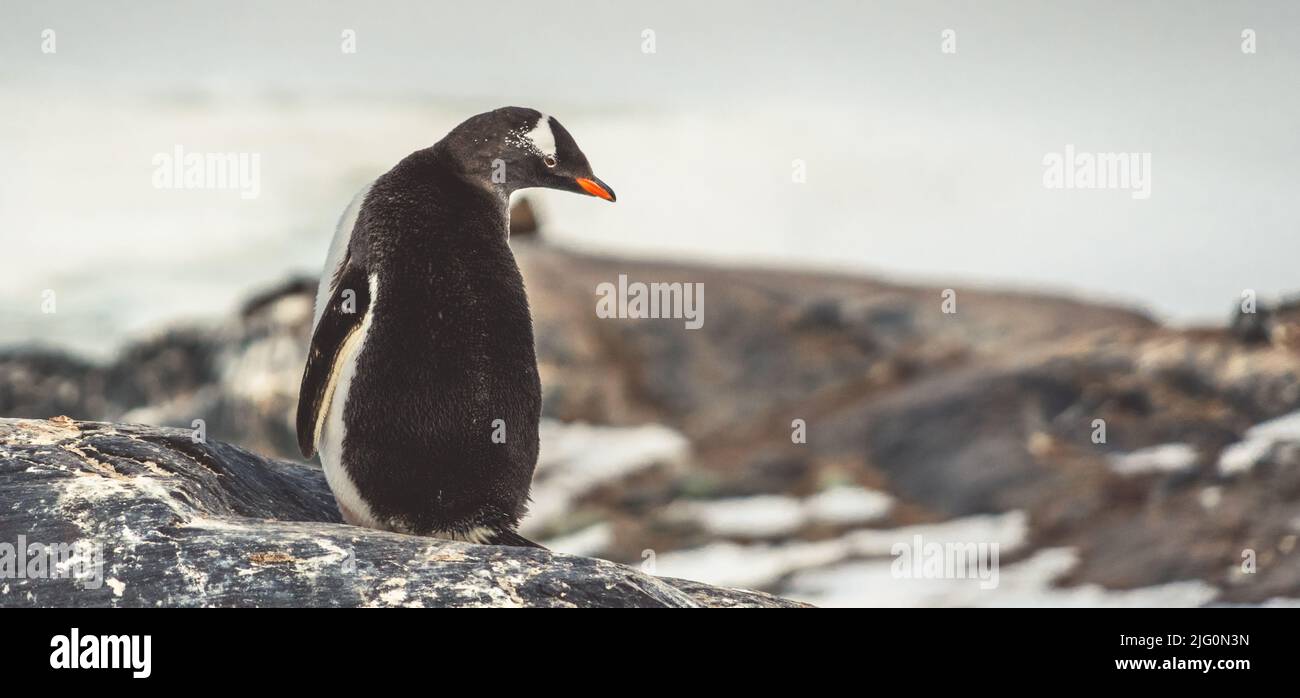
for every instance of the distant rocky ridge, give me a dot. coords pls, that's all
(952, 417)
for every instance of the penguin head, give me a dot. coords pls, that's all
(515, 148)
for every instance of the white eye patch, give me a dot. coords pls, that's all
(540, 139)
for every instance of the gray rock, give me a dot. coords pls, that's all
(989, 410)
(524, 221)
(183, 523)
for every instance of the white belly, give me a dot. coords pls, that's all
(334, 428)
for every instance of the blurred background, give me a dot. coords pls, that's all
(672, 449)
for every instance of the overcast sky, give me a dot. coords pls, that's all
(922, 164)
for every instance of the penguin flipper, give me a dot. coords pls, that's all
(512, 539)
(340, 320)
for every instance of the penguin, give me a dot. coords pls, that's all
(420, 390)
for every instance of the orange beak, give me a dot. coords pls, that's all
(595, 187)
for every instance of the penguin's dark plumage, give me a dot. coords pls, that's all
(423, 339)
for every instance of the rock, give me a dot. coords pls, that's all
(523, 219)
(240, 377)
(983, 412)
(1252, 328)
(174, 522)
(1019, 435)
(789, 341)
(36, 381)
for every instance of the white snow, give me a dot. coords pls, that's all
(772, 516)
(1166, 458)
(1244, 455)
(847, 505)
(762, 516)
(1284, 428)
(575, 458)
(1027, 583)
(762, 565)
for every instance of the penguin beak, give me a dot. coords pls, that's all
(595, 187)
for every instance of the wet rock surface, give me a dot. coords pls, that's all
(180, 523)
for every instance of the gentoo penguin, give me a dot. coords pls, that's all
(421, 390)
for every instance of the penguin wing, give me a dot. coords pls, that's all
(340, 246)
(339, 322)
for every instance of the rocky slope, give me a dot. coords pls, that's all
(154, 517)
(674, 447)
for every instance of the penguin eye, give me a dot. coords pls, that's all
(549, 160)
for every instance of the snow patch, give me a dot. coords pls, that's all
(772, 516)
(1243, 456)
(1166, 458)
(1029, 583)
(576, 458)
(763, 565)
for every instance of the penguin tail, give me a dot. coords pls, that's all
(512, 539)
